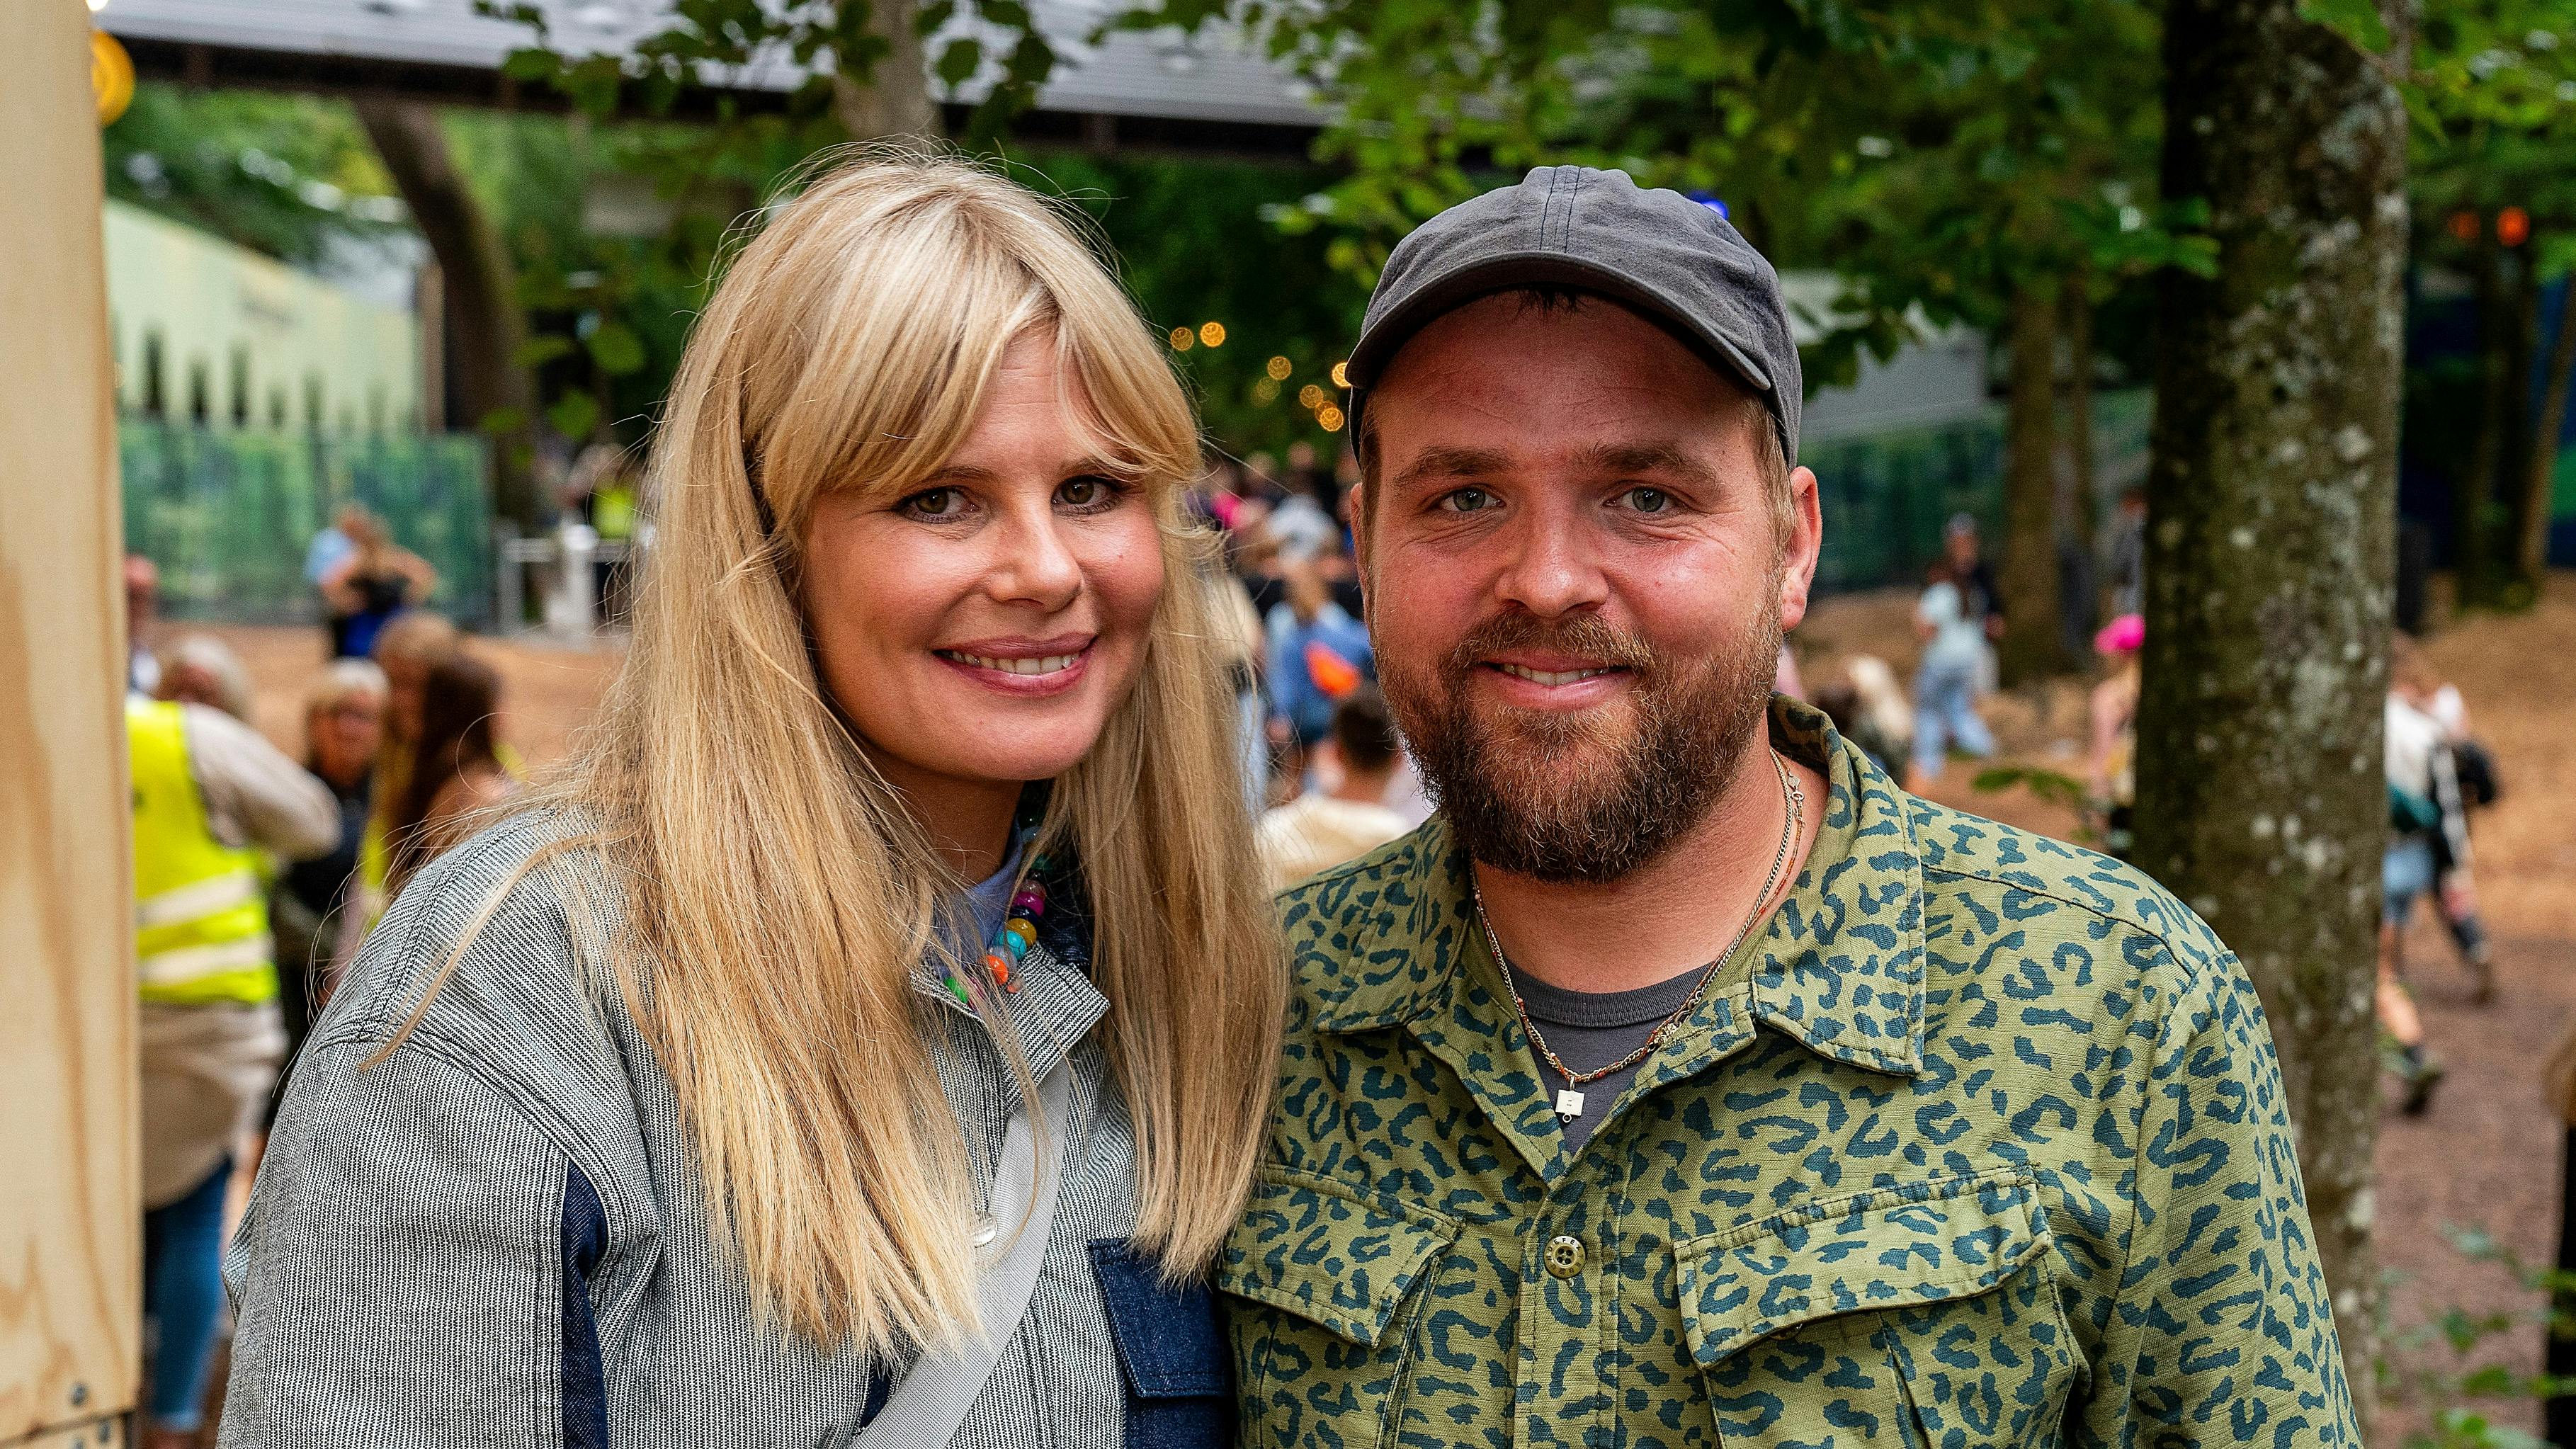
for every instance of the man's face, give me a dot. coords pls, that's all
(1576, 587)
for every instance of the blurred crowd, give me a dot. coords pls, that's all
(256, 875)
(1328, 778)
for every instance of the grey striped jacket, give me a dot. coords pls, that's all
(497, 1236)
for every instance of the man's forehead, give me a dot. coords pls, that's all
(1576, 451)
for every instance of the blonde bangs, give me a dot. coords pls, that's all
(781, 896)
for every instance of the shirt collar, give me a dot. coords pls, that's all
(1840, 968)
(1056, 1004)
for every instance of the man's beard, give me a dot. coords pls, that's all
(1591, 796)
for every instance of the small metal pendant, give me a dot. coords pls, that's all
(1569, 1103)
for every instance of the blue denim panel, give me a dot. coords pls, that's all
(585, 1383)
(1180, 1377)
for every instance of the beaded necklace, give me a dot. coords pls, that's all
(1012, 940)
(1569, 1102)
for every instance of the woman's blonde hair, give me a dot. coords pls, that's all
(777, 885)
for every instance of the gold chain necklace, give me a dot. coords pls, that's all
(1569, 1102)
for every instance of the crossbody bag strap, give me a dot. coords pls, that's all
(933, 1399)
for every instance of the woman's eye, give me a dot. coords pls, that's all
(934, 504)
(1087, 492)
(1648, 500)
(1467, 500)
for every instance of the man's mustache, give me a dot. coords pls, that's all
(1585, 636)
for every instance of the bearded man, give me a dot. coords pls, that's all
(1683, 1081)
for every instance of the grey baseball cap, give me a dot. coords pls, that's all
(1671, 258)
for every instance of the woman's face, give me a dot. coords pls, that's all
(979, 630)
(345, 737)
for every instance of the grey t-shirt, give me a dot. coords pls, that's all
(1591, 1029)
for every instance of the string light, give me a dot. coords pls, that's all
(1278, 368)
(1212, 333)
(1311, 395)
(1330, 419)
(1182, 339)
(1341, 374)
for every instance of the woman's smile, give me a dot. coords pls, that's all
(1021, 666)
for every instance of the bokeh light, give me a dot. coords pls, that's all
(1341, 374)
(1311, 395)
(1278, 368)
(1330, 419)
(1212, 333)
(1183, 339)
(1266, 390)
(2513, 226)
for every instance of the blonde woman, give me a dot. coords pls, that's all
(870, 1039)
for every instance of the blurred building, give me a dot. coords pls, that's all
(1940, 378)
(217, 336)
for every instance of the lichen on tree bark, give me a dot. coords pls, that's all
(2271, 546)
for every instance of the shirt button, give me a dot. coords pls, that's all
(1564, 1256)
(986, 1230)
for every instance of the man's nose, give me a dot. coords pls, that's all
(1552, 569)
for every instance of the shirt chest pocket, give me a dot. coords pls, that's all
(1925, 1314)
(1328, 1289)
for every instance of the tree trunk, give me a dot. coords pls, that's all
(2080, 526)
(892, 97)
(2030, 649)
(2087, 518)
(2506, 589)
(2472, 546)
(2271, 548)
(2540, 477)
(492, 389)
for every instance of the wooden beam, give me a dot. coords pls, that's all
(70, 1221)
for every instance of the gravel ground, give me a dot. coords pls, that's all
(2486, 1156)
(547, 690)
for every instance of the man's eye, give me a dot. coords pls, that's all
(1467, 500)
(1649, 500)
(933, 504)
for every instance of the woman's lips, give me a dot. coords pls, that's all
(1010, 664)
(1047, 667)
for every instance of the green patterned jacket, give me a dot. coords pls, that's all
(1987, 1148)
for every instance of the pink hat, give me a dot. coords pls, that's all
(2123, 635)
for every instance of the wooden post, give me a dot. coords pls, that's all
(70, 1218)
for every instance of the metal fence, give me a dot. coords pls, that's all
(228, 516)
(1888, 496)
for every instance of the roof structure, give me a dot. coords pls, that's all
(1159, 89)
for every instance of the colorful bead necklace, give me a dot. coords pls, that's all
(1011, 943)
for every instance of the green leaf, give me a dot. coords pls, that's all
(538, 351)
(574, 415)
(533, 66)
(958, 61)
(2357, 21)
(617, 350)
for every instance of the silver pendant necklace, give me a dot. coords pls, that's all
(1569, 1099)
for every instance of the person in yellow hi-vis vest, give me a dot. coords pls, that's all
(209, 796)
